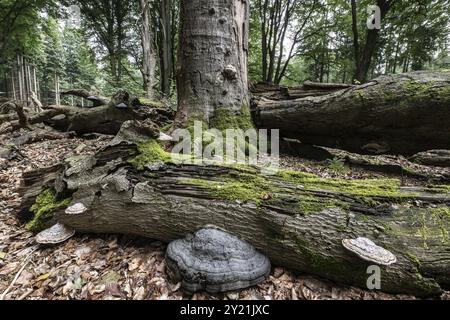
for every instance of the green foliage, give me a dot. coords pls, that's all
(46, 203)
(338, 165)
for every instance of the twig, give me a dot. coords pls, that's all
(27, 260)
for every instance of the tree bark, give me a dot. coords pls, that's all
(213, 58)
(170, 202)
(397, 114)
(149, 58)
(166, 48)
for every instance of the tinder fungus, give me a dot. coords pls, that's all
(214, 261)
(55, 235)
(367, 250)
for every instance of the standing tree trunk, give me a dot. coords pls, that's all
(166, 48)
(213, 59)
(149, 59)
(364, 56)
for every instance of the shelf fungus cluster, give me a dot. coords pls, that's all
(215, 261)
(55, 235)
(367, 250)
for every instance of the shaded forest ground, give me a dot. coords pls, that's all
(122, 267)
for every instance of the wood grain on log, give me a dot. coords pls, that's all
(396, 114)
(297, 222)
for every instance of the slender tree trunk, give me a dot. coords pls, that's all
(166, 48)
(356, 48)
(13, 85)
(20, 76)
(149, 59)
(363, 59)
(213, 58)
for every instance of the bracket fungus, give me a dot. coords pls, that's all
(164, 137)
(55, 235)
(215, 261)
(367, 250)
(121, 106)
(76, 209)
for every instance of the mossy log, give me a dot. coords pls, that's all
(395, 114)
(299, 220)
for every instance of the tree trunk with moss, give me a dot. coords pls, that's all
(212, 75)
(299, 220)
(396, 114)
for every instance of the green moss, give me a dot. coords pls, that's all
(46, 203)
(311, 204)
(236, 187)
(413, 259)
(224, 119)
(429, 225)
(247, 184)
(149, 152)
(150, 103)
(426, 90)
(441, 218)
(387, 188)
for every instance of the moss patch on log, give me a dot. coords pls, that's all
(46, 203)
(236, 187)
(386, 188)
(149, 152)
(250, 185)
(150, 103)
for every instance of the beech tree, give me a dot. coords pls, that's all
(212, 70)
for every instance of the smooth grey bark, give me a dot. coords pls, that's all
(395, 114)
(212, 72)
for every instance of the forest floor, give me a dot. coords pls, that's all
(123, 267)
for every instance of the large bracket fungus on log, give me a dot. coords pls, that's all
(55, 235)
(215, 261)
(367, 250)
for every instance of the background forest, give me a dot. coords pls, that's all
(50, 46)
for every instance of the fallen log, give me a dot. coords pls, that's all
(395, 114)
(298, 220)
(90, 96)
(438, 158)
(105, 119)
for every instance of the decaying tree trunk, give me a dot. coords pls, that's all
(298, 223)
(91, 96)
(104, 119)
(397, 114)
(213, 59)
